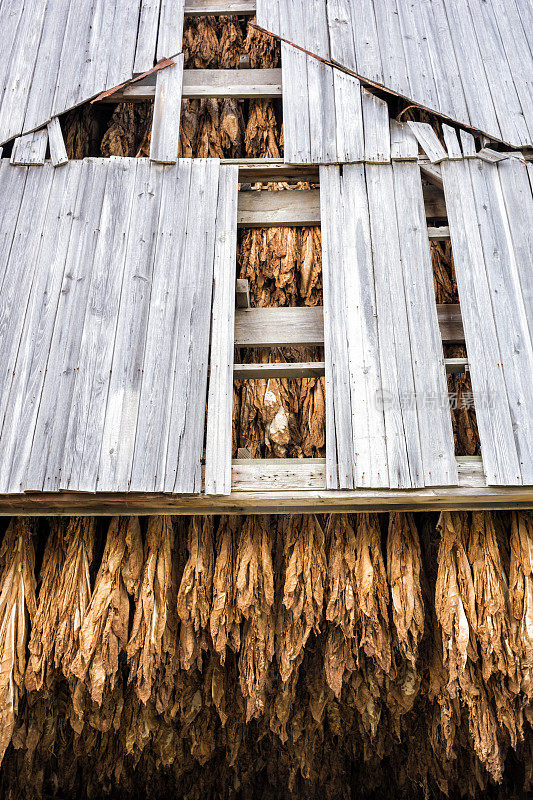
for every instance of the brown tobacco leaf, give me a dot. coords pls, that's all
(18, 608)
(104, 631)
(200, 44)
(264, 50)
(225, 630)
(261, 137)
(521, 596)
(341, 606)
(455, 602)
(45, 625)
(231, 44)
(304, 570)
(254, 601)
(372, 592)
(403, 572)
(196, 592)
(74, 593)
(153, 638)
(490, 586)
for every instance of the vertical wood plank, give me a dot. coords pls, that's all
(19, 272)
(159, 355)
(500, 459)
(452, 143)
(427, 357)
(220, 400)
(79, 467)
(167, 111)
(296, 126)
(58, 151)
(377, 129)
(404, 146)
(30, 370)
(45, 75)
(46, 458)
(120, 425)
(339, 434)
(398, 387)
(348, 118)
(184, 446)
(360, 314)
(170, 36)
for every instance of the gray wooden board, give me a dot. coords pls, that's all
(220, 400)
(19, 272)
(46, 457)
(392, 428)
(118, 438)
(147, 36)
(56, 55)
(485, 297)
(376, 127)
(428, 141)
(470, 60)
(30, 148)
(164, 141)
(170, 36)
(181, 471)
(79, 468)
(58, 151)
(322, 112)
(105, 307)
(339, 432)
(19, 423)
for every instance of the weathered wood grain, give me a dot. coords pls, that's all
(428, 141)
(220, 398)
(501, 460)
(120, 425)
(30, 149)
(25, 393)
(468, 60)
(79, 468)
(58, 151)
(164, 142)
(46, 458)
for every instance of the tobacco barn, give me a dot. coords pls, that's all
(266, 399)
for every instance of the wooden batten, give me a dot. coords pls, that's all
(304, 327)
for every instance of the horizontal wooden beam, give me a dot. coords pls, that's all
(315, 369)
(197, 83)
(220, 8)
(440, 234)
(259, 208)
(279, 327)
(296, 327)
(278, 486)
(273, 170)
(283, 370)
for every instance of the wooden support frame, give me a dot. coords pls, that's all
(278, 486)
(204, 83)
(304, 327)
(220, 8)
(260, 209)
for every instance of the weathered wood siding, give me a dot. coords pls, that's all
(490, 210)
(388, 416)
(328, 117)
(467, 59)
(56, 54)
(107, 270)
